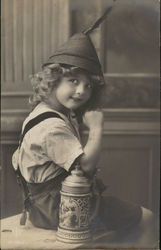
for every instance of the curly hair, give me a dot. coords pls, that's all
(44, 81)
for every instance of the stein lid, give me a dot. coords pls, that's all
(76, 182)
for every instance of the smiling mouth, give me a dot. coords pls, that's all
(76, 99)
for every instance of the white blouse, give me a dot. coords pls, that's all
(48, 147)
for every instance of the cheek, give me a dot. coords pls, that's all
(63, 91)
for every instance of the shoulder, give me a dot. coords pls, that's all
(42, 114)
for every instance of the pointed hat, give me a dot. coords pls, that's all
(79, 51)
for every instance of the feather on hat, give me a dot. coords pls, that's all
(79, 50)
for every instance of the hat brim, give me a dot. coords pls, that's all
(78, 61)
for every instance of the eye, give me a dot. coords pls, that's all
(89, 86)
(74, 80)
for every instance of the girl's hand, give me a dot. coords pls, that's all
(93, 119)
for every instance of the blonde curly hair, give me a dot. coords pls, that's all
(44, 81)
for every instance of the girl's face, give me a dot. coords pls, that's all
(71, 92)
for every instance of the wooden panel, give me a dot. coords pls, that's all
(8, 39)
(63, 21)
(117, 122)
(11, 195)
(28, 38)
(54, 25)
(17, 40)
(2, 41)
(37, 34)
(46, 29)
(31, 31)
(128, 165)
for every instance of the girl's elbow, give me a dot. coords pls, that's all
(87, 165)
(87, 169)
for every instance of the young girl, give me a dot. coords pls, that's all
(67, 90)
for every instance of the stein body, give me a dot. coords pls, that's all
(74, 210)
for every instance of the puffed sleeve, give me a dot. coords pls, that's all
(62, 146)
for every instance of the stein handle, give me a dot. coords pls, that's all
(98, 188)
(97, 205)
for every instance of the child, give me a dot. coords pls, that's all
(68, 87)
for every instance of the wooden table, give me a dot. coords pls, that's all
(14, 236)
(17, 237)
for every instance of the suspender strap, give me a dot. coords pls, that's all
(37, 120)
(21, 181)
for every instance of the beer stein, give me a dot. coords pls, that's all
(74, 210)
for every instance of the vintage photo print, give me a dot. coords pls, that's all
(80, 124)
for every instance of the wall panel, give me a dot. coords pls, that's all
(8, 40)
(128, 165)
(31, 31)
(18, 23)
(3, 41)
(28, 38)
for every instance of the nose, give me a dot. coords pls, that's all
(80, 89)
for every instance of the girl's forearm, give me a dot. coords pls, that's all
(92, 150)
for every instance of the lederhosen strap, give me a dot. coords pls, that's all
(20, 179)
(32, 123)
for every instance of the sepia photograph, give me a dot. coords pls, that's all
(80, 125)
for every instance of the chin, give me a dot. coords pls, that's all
(73, 107)
(76, 107)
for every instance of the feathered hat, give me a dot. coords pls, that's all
(79, 51)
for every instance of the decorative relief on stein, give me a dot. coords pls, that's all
(74, 212)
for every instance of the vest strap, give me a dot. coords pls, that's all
(36, 120)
